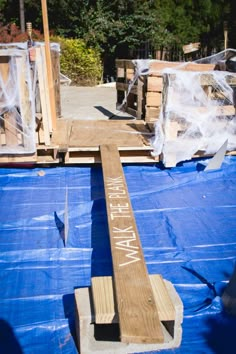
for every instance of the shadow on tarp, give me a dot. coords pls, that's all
(8, 342)
(69, 310)
(101, 255)
(220, 335)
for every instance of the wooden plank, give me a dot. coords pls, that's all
(87, 133)
(103, 300)
(120, 72)
(44, 93)
(26, 110)
(62, 135)
(129, 74)
(152, 113)
(165, 306)
(49, 64)
(56, 80)
(122, 86)
(137, 311)
(219, 110)
(10, 119)
(124, 63)
(154, 99)
(104, 305)
(158, 66)
(154, 83)
(9, 116)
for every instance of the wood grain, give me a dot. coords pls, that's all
(137, 311)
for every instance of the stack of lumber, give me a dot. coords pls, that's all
(143, 98)
(25, 107)
(198, 115)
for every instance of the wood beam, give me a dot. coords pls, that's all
(137, 312)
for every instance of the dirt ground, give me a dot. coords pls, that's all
(90, 103)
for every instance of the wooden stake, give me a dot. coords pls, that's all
(49, 63)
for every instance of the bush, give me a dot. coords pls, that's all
(12, 33)
(80, 64)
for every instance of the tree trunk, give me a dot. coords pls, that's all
(22, 16)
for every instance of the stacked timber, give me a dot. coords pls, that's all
(25, 116)
(139, 89)
(197, 115)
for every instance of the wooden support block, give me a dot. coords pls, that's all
(120, 72)
(122, 86)
(129, 74)
(154, 83)
(87, 331)
(138, 316)
(103, 300)
(152, 113)
(105, 310)
(153, 99)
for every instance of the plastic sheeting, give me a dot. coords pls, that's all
(187, 225)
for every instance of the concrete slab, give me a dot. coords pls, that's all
(99, 102)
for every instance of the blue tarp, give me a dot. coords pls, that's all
(187, 225)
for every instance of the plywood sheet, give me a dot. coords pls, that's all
(85, 133)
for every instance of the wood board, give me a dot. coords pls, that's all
(138, 315)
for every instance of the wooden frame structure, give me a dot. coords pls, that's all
(141, 95)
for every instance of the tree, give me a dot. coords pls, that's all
(22, 15)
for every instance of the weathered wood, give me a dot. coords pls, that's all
(49, 64)
(55, 55)
(152, 113)
(44, 94)
(158, 66)
(137, 311)
(26, 109)
(88, 133)
(10, 119)
(154, 83)
(154, 99)
(124, 63)
(122, 86)
(105, 309)
(9, 116)
(103, 300)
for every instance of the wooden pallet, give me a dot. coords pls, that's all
(78, 142)
(16, 124)
(176, 125)
(143, 99)
(130, 99)
(22, 79)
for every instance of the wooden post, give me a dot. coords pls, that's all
(49, 63)
(226, 34)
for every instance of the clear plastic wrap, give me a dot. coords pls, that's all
(198, 108)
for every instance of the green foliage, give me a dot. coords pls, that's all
(80, 63)
(114, 28)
